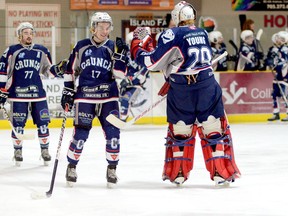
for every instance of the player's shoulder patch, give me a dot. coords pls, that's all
(168, 36)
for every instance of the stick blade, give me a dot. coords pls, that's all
(38, 195)
(112, 119)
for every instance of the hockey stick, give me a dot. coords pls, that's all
(236, 53)
(48, 194)
(18, 135)
(234, 46)
(258, 45)
(258, 36)
(112, 119)
(282, 93)
(242, 19)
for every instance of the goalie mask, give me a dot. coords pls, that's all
(183, 11)
(216, 37)
(99, 17)
(22, 26)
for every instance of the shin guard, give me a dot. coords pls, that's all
(218, 153)
(179, 156)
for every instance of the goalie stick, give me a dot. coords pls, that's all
(38, 195)
(18, 135)
(114, 120)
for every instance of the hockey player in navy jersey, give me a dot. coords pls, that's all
(21, 68)
(218, 48)
(277, 60)
(184, 55)
(249, 58)
(91, 88)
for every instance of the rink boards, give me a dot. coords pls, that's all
(246, 95)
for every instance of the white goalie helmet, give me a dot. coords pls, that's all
(183, 11)
(283, 36)
(245, 34)
(22, 26)
(215, 36)
(100, 17)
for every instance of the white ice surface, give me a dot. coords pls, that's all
(261, 152)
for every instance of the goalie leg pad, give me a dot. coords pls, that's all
(179, 155)
(218, 150)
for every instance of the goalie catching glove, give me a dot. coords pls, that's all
(67, 98)
(3, 96)
(141, 40)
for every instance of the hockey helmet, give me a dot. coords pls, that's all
(215, 36)
(283, 37)
(245, 34)
(183, 11)
(274, 38)
(99, 17)
(22, 26)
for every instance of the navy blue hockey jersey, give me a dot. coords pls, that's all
(91, 71)
(21, 69)
(180, 49)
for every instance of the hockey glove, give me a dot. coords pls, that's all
(121, 46)
(3, 96)
(124, 84)
(164, 89)
(67, 98)
(60, 68)
(232, 58)
(259, 55)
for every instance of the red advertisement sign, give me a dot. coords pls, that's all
(248, 92)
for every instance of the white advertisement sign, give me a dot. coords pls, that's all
(41, 16)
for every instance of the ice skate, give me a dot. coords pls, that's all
(275, 117)
(45, 156)
(285, 119)
(71, 175)
(18, 157)
(179, 180)
(220, 182)
(111, 176)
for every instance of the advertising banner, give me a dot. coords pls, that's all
(249, 92)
